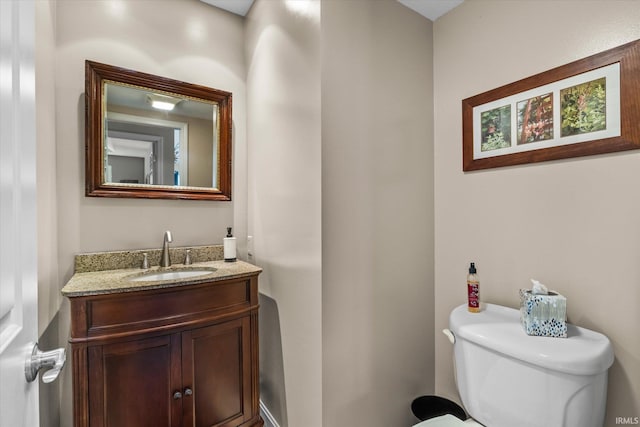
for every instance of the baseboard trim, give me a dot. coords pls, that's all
(269, 420)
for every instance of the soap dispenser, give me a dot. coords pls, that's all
(229, 247)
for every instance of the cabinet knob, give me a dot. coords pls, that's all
(188, 392)
(177, 395)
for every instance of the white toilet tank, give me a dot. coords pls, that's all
(507, 378)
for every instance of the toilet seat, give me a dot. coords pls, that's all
(448, 420)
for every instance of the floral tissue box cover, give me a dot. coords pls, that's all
(543, 315)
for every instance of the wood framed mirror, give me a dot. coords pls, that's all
(154, 137)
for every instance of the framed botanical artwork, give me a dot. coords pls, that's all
(587, 107)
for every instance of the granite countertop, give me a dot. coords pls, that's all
(118, 281)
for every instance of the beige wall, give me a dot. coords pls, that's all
(201, 161)
(338, 186)
(181, 39)
(185, 40)
(572, 224)
(283, 87)
(377, 212)
(48, 296)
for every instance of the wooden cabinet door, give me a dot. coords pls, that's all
(133, 383)
(216, 367)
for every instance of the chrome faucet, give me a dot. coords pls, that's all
(165, 259)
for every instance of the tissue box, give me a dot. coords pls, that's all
(543, 315)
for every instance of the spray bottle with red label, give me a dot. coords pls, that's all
(473, 289)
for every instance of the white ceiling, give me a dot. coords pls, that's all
(239, 7)
(432, 9)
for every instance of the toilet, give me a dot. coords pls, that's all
(507, 378)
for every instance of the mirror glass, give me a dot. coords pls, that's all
(159, 139)
(153, 137)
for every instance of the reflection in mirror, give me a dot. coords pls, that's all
(148, 143)
(153, 137)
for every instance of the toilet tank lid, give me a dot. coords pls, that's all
(498, 328)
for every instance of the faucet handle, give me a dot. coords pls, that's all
(145, 261)
(187, 257)
(168, 237)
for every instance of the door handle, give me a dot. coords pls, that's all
(51, 362)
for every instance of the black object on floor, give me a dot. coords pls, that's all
(426, 407)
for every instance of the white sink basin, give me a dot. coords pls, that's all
(154, 276)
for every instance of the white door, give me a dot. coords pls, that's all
(18, 250)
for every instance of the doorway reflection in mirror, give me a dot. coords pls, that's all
(149, 143)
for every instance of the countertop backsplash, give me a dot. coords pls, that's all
(100, 261)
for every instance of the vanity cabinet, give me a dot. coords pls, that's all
(182, 356)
